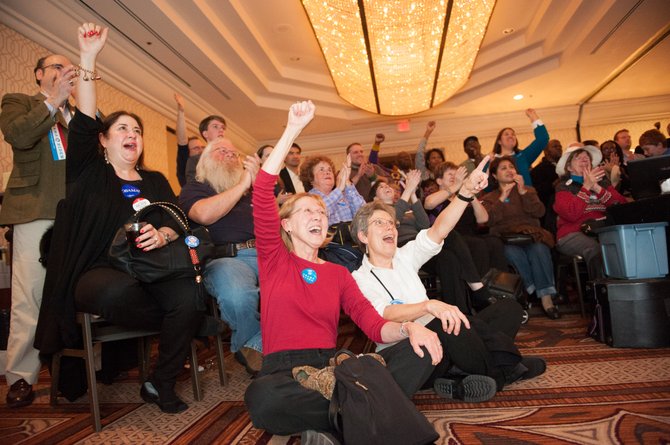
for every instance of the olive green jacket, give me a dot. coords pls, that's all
(37, 181)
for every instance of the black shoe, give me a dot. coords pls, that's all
(552, 313)
(20, 394)
(527, 368)
(515, 374)
(150, 395)
(558, 299)
(536, 366)
(473, 388)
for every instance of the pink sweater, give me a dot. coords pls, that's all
(298, 311)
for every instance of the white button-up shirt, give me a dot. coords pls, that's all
(402, 281)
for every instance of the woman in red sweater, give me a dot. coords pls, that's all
(582, 193)
(300, 306)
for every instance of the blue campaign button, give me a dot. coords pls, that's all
(192, 241)
(130, 191)
(309, 275)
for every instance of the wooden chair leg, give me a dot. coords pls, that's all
(195, 377)
(55, 376)
(223, 378)
(89, 357)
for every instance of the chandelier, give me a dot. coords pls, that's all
(398, 57)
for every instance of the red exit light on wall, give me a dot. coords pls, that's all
(403, 126)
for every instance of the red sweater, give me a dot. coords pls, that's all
(294, 313)
(575, 204)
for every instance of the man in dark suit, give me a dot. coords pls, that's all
(290, 174)
(36, 128)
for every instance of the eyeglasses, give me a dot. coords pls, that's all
(56, 66)
(384, 223)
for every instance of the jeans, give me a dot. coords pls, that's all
(534, 264)
(234, 283)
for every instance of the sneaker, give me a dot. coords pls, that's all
(251, 359)
(312, 437)
(473, 388)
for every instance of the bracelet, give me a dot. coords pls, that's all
(403, 331)
(166, 236)
(463, 198)
(94, 74)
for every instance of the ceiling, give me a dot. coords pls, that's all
(248, 60)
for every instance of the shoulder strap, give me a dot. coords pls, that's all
(172, 209)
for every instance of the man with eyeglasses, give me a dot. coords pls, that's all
(220, 199)
(36, 128)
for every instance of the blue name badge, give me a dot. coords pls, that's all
(130, 191)
(192, 241)
(394, 301)
(309, 275)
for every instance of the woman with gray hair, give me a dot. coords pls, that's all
(389, 278)
(583, 193)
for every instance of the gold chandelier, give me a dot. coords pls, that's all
(398, 57)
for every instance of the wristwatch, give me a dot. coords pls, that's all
(463, 198)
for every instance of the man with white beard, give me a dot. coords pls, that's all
(220, 199)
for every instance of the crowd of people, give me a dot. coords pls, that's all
(298, 240)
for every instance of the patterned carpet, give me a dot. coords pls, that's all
(590, 394)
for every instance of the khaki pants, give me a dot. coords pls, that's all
(27, 282)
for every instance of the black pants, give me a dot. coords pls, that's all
(280, 405)
(169, 307)
(487, 348)
(488, 251)
(455, 267)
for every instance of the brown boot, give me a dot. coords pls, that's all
(251, 359)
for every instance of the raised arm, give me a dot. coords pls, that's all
(420, 158)
(448, 218)
(373, 157)
(92, 39)
(299, 115)
(182, 139)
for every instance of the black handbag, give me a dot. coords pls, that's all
(368, 407)
(517, 239)
(182, 258)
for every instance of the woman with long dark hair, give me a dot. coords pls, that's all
(515, 208)
(106, 184)
(507, 144)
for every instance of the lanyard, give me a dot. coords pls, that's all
(393, 300)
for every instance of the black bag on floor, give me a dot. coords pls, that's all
(368, 407)
(504, 284)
